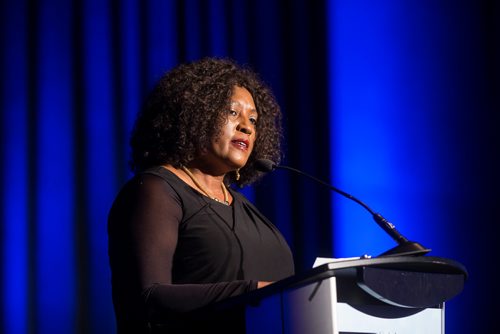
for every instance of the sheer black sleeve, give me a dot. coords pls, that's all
(143, 229)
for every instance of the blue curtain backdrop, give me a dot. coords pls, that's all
(396, 102)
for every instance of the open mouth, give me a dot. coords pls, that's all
(241, 144)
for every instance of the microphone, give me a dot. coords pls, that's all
(404, 247)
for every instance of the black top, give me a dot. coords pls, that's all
(174, 250)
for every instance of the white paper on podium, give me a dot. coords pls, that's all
(322, 260)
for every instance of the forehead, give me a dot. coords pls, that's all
(242, 97)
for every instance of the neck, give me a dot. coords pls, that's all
(211, 186)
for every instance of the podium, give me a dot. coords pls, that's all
(396, 295)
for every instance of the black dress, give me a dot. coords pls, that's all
(173, 250)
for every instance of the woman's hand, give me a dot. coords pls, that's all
(262, 284)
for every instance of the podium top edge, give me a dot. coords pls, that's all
(410, 263)
(330, 269)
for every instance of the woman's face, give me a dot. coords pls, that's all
(232, 148)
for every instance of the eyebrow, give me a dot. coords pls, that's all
(239, 104)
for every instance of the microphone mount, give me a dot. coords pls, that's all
(404, 247)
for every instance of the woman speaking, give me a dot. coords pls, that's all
(180, 238)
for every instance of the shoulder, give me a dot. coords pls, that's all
(150, 189)
(249, 207)
(151, 183)
(161, 177)
(240, 197)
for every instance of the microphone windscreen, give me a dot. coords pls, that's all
(264, 165)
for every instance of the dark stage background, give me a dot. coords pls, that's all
(396, 102)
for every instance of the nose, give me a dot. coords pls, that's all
(244, 126)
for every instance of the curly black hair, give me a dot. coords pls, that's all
(187, 109)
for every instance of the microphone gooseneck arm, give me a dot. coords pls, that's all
(404, 247)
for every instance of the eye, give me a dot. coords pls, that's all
(253, 120)
(232, 112)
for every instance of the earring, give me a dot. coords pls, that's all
(238, 174)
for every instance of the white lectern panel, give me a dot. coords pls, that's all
(351, 320)
(314, 309)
